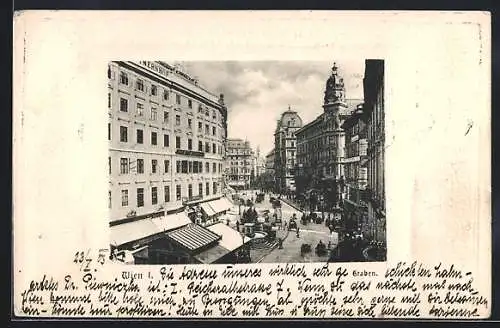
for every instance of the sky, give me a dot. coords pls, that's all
(256, 93)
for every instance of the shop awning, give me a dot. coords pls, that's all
(172, 221)
(212, 254)
(231, 239)
(220, 205)
(207, 209)
(226, 203)
(214, 204)
(217, 206)
(193, 236)
(132, 231)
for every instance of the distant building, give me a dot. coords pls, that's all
(268, 180)
(240, 162)
(320, 149)
(260, 166)
(285, 151)
(374, 108)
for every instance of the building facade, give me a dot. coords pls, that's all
(285, 151)
(355, 210)
(240, 161)
(374, 107)
(270, 162)
(166, 137)
(267, 178)
(260, 163)
(320, 152)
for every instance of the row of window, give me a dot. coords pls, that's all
(214, 148)
(196, 167)
(239, 177)
(140, 194)
(234, 170)
(140, 86)
(239, 151)
(127, 165)
(209, 130)
(240, 163)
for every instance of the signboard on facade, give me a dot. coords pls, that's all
(190, 153)
(154, 67)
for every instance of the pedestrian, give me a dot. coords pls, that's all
(286, 225)
(238, 226)
(298, 235)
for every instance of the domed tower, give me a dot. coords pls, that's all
(335, 112)
(334, 101)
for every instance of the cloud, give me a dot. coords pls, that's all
(256, 93)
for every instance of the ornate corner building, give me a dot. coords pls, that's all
(320, 152)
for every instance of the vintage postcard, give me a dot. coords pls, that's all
(301, 165)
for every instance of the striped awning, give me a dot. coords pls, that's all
(193, 237)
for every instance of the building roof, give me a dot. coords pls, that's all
(177, 75)
(289, 118)
(353, 103)
(317, 120)
(238, 143)
(193, 237)
(353, 118)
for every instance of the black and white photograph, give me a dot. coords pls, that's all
(302, 165)
(226, 162)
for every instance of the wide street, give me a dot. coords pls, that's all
(310, 233)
